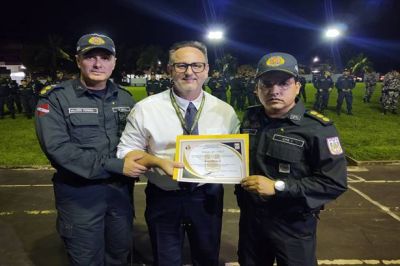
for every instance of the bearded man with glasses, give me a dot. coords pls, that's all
(296, 166)
(174, 209)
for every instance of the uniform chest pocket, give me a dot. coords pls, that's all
(284, 152)
(85, 127)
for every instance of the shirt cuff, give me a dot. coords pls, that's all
(114, 165)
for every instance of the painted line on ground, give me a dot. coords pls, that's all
(47, 212)
(376, 203)
(343, 262)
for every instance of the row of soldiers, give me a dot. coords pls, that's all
(19, 98)
(242, 89)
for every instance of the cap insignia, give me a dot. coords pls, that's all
(275, 61)
(96, 41)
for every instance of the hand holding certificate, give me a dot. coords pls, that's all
(212, 158)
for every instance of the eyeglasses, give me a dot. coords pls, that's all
(197, 67)
(283, 85)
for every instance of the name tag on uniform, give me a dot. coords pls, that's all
(81, 110)
(288, 140)
(124, 109)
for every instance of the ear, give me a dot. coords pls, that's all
(169, 69)
(298, 86)
(78, 61)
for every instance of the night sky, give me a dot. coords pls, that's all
(252, 28)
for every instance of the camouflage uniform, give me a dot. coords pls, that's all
(370, 80)
(390, 91)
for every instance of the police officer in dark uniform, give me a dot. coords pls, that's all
(37, 87)
(15, 95)
(250, 91)
(26, 93)
(296, 166)
(237, 92)
(303, 83)
(324, 85)
(6, 99)
(345, 84)
(152, 85)
(218, 85)
(78, 124)
(165, 83)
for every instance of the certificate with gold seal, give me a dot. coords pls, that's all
(212, 158)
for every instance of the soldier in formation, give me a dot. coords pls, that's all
(345, 84)
(390, 92)
(370, 79)
(324, 85)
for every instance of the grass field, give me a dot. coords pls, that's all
(367, 135)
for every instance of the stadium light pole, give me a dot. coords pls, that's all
(216, 37)
(333, 33)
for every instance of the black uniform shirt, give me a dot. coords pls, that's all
(79, 131)
(303, 150)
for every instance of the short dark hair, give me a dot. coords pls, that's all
(195, 44)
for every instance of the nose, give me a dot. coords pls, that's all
(97, 62)
(275, 89)
(189, 70)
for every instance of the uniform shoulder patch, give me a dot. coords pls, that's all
(124, 89)
(319, 117)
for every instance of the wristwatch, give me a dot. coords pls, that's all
(279, 185)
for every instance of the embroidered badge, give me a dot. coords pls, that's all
(43, 109)
(275, 61)
(288, 140)
(334, 146)
(81, 110)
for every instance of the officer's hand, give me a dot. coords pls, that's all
(131, 167)
(168, 166)
(259, 184)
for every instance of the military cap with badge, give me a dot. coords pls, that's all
(95, 41)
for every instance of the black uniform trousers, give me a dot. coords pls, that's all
(169, 214)
(264, 237)
(348, 96)
(95, 222)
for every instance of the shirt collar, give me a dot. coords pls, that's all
(183, 103)
(81, 89)
(295, 115)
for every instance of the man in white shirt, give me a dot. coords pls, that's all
(172, 208)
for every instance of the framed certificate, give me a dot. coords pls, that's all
(212, 158)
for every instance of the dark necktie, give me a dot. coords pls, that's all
(190, 115)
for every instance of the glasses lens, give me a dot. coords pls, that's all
(182, 67)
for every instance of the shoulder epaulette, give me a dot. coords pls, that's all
(319, 117)
(48, 89)
(124, 89)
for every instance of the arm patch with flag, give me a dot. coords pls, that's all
(42, 109)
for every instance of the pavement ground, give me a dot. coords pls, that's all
(362, 227)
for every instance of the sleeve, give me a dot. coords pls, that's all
(134, 136)
(55, 141)
(328, 178)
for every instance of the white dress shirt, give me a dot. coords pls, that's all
(153, 125)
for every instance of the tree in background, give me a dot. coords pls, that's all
(47, 57)
(359, 64)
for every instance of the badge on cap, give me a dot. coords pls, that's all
(334, 146)
(275, 61)
(96, 40)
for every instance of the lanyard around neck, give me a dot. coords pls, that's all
(180, 116)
